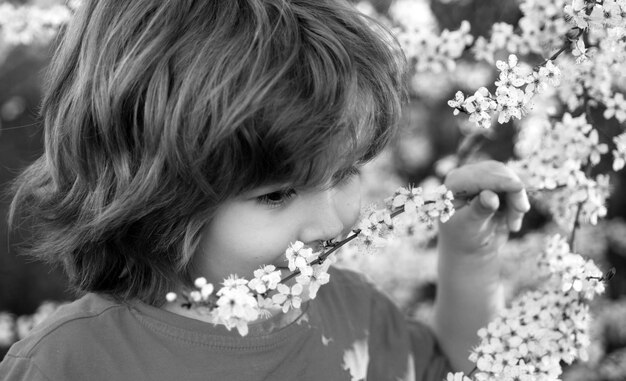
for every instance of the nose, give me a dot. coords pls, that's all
(329, 214)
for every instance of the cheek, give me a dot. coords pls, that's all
(239, 243)
(348, 202)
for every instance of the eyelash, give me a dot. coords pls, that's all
(283, 194)
(280, 197)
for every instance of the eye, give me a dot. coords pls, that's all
(277, 198)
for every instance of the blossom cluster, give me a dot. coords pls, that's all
(542, 328)
(593, 31)
(378, 225)
(426, 48)
(241, 301)
(597, 80)
(546, 24)
(619, 153)
(25, 25)
(554, 156)
(549, 326)
(429, 51)
(516, 86)
(540, 30)
(590, 14)
(559, 155)
(16, 328)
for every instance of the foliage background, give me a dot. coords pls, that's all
(430, 133)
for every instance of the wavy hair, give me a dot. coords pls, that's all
(157, 111)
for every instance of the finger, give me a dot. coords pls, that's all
(469, 180)
(484, 205)
(517, 205)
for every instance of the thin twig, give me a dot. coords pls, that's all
(566, 44)
(325, 255)
(572, 236)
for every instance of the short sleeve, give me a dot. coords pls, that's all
(401, 349)
(20, 368)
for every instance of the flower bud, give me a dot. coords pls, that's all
(171, 296)
(195, 296)
(200, 282)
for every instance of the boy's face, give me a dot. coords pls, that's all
(256, 228)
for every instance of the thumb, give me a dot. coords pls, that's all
(484, 205)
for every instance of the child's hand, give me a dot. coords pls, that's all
(482, 222)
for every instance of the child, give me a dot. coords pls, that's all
(199, 138)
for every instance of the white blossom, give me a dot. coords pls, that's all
(288, 297)
(541, 328)
(408, 198)
(25, 25)
(429, 51)
(236, 307)
(299, 256)
(318, 278)
(615, 107)
(7, 329)
(171, 297)
(266, 278)
(619, 153)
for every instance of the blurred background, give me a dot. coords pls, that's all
(30, 290)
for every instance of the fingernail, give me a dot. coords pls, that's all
(487, 201)
(525, 207)
(516, 225)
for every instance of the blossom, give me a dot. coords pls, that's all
(550, 73)
(7, 329)
(511, 103)
(374, 227)
(479, 106)
(510, 73)
(427, 50)
(615, 107)
(441, 206)
(369, 242)
(298, 257)
(171, 297)
(266, 278)
(619, 153)
(233, 282)
(318, 278)
(288, 297)
(236, 307)
(459, 376)
(199, 282)
(577, 15)
(195, 296)
(457, 102)
(370, 225)
(579, 50)
(408, 198)
(24, 25)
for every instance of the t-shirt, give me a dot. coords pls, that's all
(350, 331)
